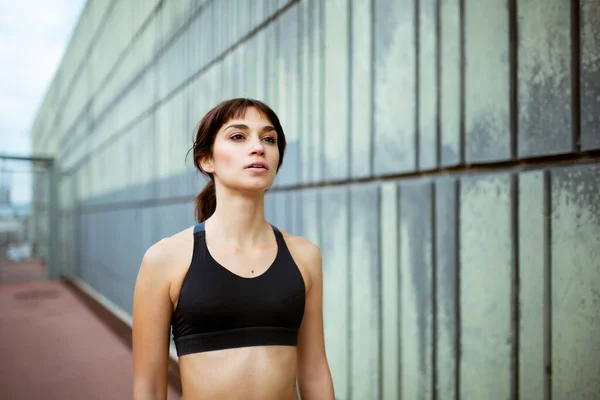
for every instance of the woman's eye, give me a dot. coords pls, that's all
(237, 136)
(270, 139)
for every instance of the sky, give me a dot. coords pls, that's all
(34, 35)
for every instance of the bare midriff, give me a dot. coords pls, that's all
(249, 373)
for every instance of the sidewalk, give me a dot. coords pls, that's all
(53, 347)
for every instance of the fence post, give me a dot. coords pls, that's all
(53, 225)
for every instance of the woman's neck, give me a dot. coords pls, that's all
(239, 219)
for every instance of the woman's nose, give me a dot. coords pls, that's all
(256, 146)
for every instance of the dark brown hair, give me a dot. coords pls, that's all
(205, 133)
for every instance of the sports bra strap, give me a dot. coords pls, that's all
(199, 227)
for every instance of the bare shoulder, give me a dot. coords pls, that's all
(168, 251)
(306, 254)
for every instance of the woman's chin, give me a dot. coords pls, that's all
(256, 187)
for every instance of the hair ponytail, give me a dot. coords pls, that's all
(206, 202)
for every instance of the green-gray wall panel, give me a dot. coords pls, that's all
(335, 226)
(336, 138)
(544, 77)
(289, 93)
(427, 114)
(590, 74)
(416, 269)
(487, 135)
(309, 203)
(450, 81)
(390, 291)
(296, 214)
(446, 256)
(361, 64)
(575, 256)
(317, 100)
(394, 86)
(533, 253)
(486, 276)
(365, 289)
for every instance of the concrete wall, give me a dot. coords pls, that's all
(444, 157)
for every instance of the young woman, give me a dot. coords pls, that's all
(243, 298)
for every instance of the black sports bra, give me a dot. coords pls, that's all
(218, 309)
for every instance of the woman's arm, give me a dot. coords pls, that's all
(151, 325)
(314, 376)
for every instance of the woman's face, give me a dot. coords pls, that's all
(245, 153)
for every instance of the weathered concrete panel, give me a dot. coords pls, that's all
(335, 218)
(270, 208)
(272, 78)
(310, 204)
(336, 139)
(306, 88)
(449, 82)
(394, 87)
(317, 88)
(416, 290)
(427, 84)
(361, 141)
(365, 289)
(485, 287)
(590, 74)
(575, 282)
(390, 292)
(287, 106)
(487, 129)
(294, 212)
(533, 247)
(279, 207)
(244, 80)
(544, 77)
(446, 245)
(261, 76)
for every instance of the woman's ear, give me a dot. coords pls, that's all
(206, 163)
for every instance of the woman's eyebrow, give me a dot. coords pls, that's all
(266, 128)
(238, 126)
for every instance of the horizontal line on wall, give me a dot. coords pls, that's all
(534, 163)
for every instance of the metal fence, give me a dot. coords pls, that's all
(28, 223)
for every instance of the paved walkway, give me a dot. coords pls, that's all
(53, 347)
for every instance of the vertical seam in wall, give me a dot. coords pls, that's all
(575, 74)
(434, 311)
(462, 100)
(438, 89)
(348, 201)
(513, 77)
(322, 83)
(372, 93)
(310, 125)
(302, 134)
(417, 132)
(152, 119)
(398, 204)
(350, 100)
(547, 209)
(276, 53)
(515, 295)
(380, 293)
(457, 289)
